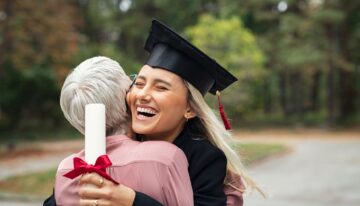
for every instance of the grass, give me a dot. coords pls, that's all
(41, 184)
(35, 184)
(255, 152)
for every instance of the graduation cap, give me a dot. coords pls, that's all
(171, 52)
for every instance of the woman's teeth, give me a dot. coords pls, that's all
(146, 112)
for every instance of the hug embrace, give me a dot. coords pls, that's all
(166, 145)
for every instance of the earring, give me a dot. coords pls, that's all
(186, 117)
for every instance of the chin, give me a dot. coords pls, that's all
(142, 130)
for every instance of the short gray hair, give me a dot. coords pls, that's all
(96, 80)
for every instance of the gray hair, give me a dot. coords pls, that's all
(96, 80)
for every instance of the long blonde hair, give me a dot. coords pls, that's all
(209, 124)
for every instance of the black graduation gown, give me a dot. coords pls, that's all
(207, 170)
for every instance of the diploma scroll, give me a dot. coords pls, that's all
(95, 132)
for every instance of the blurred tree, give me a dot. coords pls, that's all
(340, 21)
(309, 48)
(235, 48)
(37, 44)
(306, 41)
(126, 23)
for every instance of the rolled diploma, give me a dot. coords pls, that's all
(95, 143)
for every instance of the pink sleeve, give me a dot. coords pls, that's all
(65, 188)
(233, 189)
(177, 189)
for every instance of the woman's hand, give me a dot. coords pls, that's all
(104, 193)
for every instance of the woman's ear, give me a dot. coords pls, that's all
(189, 114)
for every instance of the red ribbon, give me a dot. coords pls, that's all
(82, 167)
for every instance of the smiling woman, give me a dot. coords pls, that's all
(152, 99)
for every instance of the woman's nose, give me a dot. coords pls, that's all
(144, 94)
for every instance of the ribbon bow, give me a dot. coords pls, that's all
(81, 167)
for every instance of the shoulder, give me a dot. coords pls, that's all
(201, 149)
(206, 153)
(205, 160)
(160, 151)
(68, 162)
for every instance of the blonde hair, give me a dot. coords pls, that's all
(96, 80)
(207, 123)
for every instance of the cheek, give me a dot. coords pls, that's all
(130, 97)
(174, 106)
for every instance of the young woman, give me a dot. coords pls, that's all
(166, 102)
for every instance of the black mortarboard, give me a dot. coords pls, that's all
(170, 51)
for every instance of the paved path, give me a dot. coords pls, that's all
(12, 203)
(318, 172)
(4, 203)
(50, 156)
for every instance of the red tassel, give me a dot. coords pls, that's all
(222, 113)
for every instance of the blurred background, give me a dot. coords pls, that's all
(297, 61)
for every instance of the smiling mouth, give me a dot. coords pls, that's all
(145, 112)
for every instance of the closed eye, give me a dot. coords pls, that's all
(161, 88)
(139, 84)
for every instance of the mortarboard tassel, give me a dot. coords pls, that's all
(222, 113)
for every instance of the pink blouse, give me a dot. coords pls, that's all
(156, 168)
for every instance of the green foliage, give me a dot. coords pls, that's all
(130, 65)
(37, 44)
(22, 91)
(229, 42)
(291, 64)
(236, 49)
(306, 43)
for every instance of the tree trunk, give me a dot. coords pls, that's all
(314, 93)
(331, 94)
(5, 46)
(348, 94)
(283, 96)
(298, 93)
(267, 96)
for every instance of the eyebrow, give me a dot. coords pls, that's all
(156, 80)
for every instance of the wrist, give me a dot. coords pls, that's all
(129, 194)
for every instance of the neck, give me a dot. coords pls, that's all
(166, 136)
